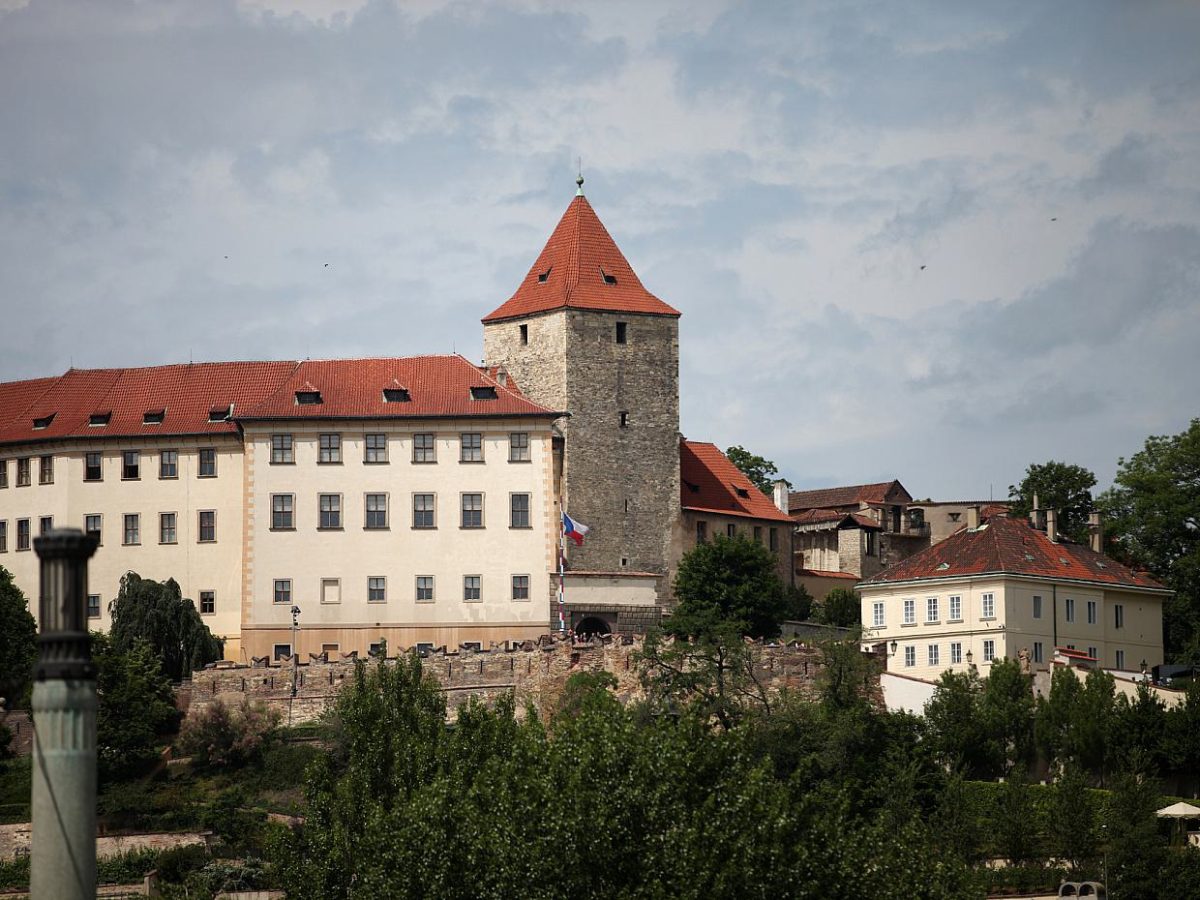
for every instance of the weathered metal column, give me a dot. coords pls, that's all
(63, 846)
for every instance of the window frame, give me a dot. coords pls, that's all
(989, 650)
(910, 611)
(1037, 606)
(956, 653)
(878, 614)
(424, 448)
(375, 455)
(290, 512)
(1118, 615)
(3, 535)
(432, 511)
(372, 588)
(464, 511)
(211, 598)
(131, 461)
(3, 473)
(166, 528)
(468, 588)
(1069, 609)
(470, 447)
(24, 535)
(1093, 612)
(910, 656)
(327, 517)
(987, 605)
(954, 610)
(418, 588)
(933, 611)
(24, 471)
(367, 511)
(327, 586)
(98, 606)
(281, 587)
(88, 468)
(283, 452)
(135, 531)
(519, 447)
(329, 448)
(515, 588)
(514, 513)
(202, 467)
(98, 532)
(46, 469)
(163, 474)
(933, 654)
(210, 528)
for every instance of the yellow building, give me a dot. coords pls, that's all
(1004, 588)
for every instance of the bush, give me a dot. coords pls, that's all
(14, 873)
(282, 765)
(127, 868)
(221, 736)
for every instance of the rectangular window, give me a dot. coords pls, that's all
(956, 654)
(424, 450)
(955, 608)
(281, 652)
(910, 657)
(283, 590)
(166, 528)
(988, 606)
(331, 590)
(131, 465)
(208, 463)
(22, 534)
(519, 512)
(518, 447)
(330, 511)
(869, 539)
(774, 540)
(23, 472)
(281, 450)
(989, 651)
(330, 449)
(132, 532)
(3, 473)
(168, 464)
(731, 530)
(1069, 609)
(520, 587)
(208, 526)
(472, 510)
(424, 588)
(1038, 652)
(1093, 653)
(283, 516)
(46, 470)
(93, 606)
(623, 418)
(524, 331)
(758, 534)
(208, 603)
(91, 467)
(472, 591)
(1037, 606)
(471, 447)
(423, 511)
(931, 609)
(701, 532)
(1118, 615)
(45, 524)
(877, 614)
(622, 332)
(1092, 612)
(375, 449)
(933, 653)
(1120, 659)
(92, 526)
(910, 612)
(376, 589)
(377, 511)
(3, 536)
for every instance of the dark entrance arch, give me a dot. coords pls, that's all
(590, 625)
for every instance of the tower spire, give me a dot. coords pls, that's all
(579, 180)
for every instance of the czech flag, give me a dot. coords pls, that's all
(574, 530)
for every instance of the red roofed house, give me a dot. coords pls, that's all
(1004, 588)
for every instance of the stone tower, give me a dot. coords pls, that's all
(582, 334)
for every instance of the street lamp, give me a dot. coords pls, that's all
(295, 661)
(895, 647)
(63, 844)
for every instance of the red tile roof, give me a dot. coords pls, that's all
(822, 573)
(583, 269)
(440, 386)
(844, 496)
(1012, 546)
(834, 516)
(709, 482)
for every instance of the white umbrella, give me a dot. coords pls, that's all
(1180, 810)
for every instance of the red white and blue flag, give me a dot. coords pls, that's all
(574, 530)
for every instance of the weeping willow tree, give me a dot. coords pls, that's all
(158, 613)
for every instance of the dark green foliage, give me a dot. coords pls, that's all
(841, 607)
(1072, 832)
(127, 868)
(137, 706)
(159, 614)
(1006, 709)
(1016, 835)
(727, 583)
(798, 603)
(18, 642)
(220, 735)
(1136, 851)
(761, 472)
(1060, 486)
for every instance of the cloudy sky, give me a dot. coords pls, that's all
(928, 241)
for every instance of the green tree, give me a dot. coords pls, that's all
(159, 614)
(955, 728)
(1153, 512)
(841, 607)
(1016, 833)
(1006, 710)
(761, 472)
(137, 705)
(1071, 823)
(728, 583)
(1060, 486)
(1136, 852)
(18, 640)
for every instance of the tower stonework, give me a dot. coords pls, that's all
(582, 334)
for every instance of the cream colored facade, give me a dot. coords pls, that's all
(211, 567)
(997, 616)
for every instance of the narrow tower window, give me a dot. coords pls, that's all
(624, 414)
(621, 332)
(524, 335)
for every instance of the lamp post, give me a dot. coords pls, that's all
(295, 661)
(63, 844)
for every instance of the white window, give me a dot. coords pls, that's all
(424, 450)
(377, 511)
(283, 512)
(956, 654)
(1037, 606)
(989, 651)
(1118, 615)
(933, 652)
(472, 511)
(471, 444)
(330, 448)
(931, 609)
(1039, 654)
(520, 587)
(910, 612)
(425, 589)
(910, 657)
(1092, 612)
(283, 590)
(281, 449)
(518, 446)
(988, 604)
(955, 608)
(877, 614)
(376, 589)
(423, 510)
(1069, 609)
(330, 511)
(133, 529)
(331, 590)
(375, 448)
(1120, 659)
(472, 590)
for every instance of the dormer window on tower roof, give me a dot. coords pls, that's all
(154, 416)
(220, 413)
(543, 277)
(608, 278)
(43, 422)
(483, 392)
(308, 398)
(396, 395)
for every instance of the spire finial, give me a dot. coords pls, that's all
(579, 180)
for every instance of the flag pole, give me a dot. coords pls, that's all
(562, 578)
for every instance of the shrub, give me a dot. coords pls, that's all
(222, 736)
(128, 867)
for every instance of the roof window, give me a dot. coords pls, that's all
(43, 422)
(99, 418)
(942, 567)
(308, 398)
(694, 488)
(742, 492)
(220, 413)
(154, 416)
(543, 277)
(483, 392)
(608, 279)
(396, 395)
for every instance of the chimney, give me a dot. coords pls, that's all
(1095, 533)
(1035, 514)
(972, 517)
(1052, 524)
(781, 496)
(501, 375)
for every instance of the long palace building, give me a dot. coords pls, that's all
(413, 500)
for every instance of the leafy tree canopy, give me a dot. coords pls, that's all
(137, 705)
(841, 607)
(760, 471)
(159, 614)
(1060, 486)
(728, 582)
(18, 640)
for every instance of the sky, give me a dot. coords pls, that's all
(928, 241)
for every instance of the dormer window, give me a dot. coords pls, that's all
(694, 488)
(220, 413)
(485, 392)
(154, 416)
(308, 398)
(608, 279)
(543, 277)
(396, 395)
(742, 492)
(99, 419)
(43, 422)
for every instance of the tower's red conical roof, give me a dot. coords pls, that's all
(580, 267)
